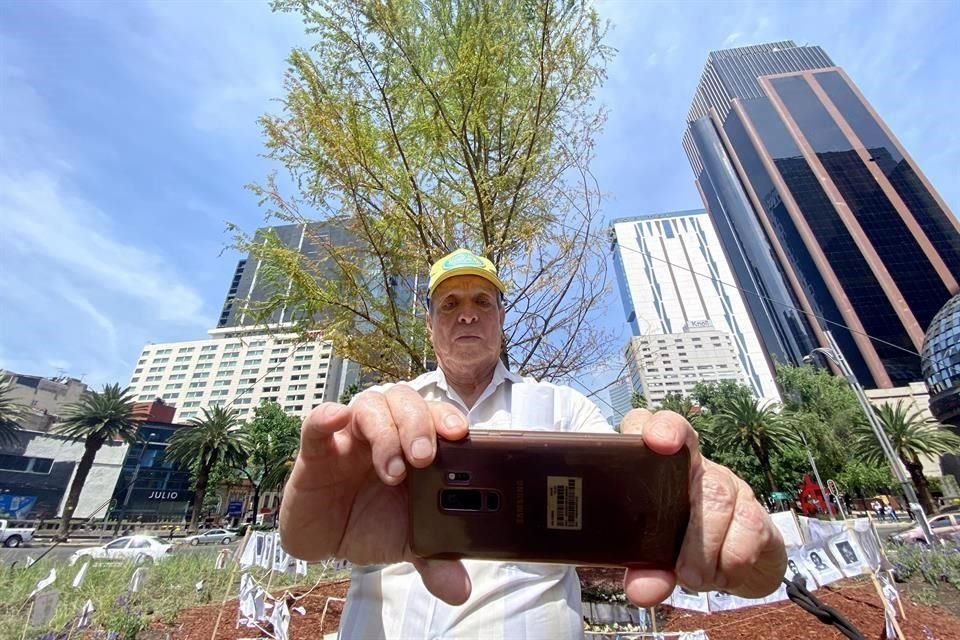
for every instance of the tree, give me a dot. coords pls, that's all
(638, 400)
(715, 395)
(274, 438)
(419, 127)
(678, 403)
(912, 437)
(745, 425)
(866, 478)
(96, 418)
(349, 392)
(10, 413)
(214, 438)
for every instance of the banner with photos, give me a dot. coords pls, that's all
(823, 552)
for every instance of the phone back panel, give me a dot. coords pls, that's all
(533, 496)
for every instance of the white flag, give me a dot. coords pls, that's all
(43, 584)
(249, 555)
(301, 567)
(81, 575)
(30, 560)
(222, 558)
(137, 579)
(301, 610)
(199, 586)
(86, 615)
(281, 620)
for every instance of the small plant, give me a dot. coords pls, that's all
(934, 565)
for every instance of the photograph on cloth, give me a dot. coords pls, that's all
(847, 554)
(797, 564)
(821, 564)
(789, 528)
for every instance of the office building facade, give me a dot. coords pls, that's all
(820, 210)
(673, 276)
(240, 367)
(673, 363)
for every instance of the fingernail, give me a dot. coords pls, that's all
(452, 422)
(331, 410)
(421, 448)
(396, 467)
(661, 429)
(690, 577)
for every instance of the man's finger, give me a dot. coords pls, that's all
(713, 499)
(667, 432)
(373, 422)
(635, 420)
(414, 421)
(446, 579)
(319, 426)
(648, 587)
(753, 560)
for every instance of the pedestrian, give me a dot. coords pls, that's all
(344, 498)
(889, 511)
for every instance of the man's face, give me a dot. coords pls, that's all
(465, 324)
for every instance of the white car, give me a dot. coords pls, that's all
(213, 536)
(140, 549)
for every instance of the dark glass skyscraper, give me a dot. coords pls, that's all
(820, 208)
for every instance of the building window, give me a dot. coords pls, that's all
(297, 387)
(301, 358)
(221, 383)
(210, 347)
(232, 354)
(25, 464)
(182, 359)
(205, 365)
(244, 400)
(132, 380)
(300, 367)
(224, 374)
(146, 397)
(206, 356)
(269, 379)
(276, 360)
(151, 387)
(163, 352)
(250, 363)
(172, 386)
(216, 393)
(192, 403)
(188, 414)
(297, 396)
(155, 369)
(255, 352)
(198, 385)
(178, 376)
(194, 394)
(161, 360)
(185, 349)
(228, 363)
(153, 378)
(271, 389)
(140, 370)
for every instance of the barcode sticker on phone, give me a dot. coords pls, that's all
(564, 502)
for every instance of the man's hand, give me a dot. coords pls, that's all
(731, 543)
(345, 496)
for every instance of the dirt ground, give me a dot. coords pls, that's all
(855, 599)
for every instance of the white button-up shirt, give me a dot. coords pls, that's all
(508, 600)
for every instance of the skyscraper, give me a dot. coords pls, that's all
(820, 210)
(674, 278)
(249, 284)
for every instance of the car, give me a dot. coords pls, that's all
(140, 549)
(14, 537)
(945, 525)
(213, 536)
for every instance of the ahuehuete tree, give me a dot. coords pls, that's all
(420, 126)
(913, 437)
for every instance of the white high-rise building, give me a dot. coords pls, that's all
(621, 395)
(241, 366)
(674, 276)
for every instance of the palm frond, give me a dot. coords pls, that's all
(106, 415)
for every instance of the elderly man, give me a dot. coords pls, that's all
(346, 495)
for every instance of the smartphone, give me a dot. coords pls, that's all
(540, 496)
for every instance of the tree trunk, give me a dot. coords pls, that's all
(764, 457)
(200, 492)
(90, 447)
(256, 501)
(915, 469)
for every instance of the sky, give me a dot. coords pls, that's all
(128, 131)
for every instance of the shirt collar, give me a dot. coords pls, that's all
(437, 377)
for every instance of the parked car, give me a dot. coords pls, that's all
(945, 525)
(142, 549)
(213, 536)
(12, 536)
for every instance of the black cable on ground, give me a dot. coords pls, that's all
(798, 594)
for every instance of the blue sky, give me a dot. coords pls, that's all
(127, 132)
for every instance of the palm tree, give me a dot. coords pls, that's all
(96, 418)
(10, 413)
(745, 425)
(684, 405)
(217, 436)
(912, 436)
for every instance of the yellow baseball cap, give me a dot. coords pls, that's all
(464, 263)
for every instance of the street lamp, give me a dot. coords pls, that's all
(834, 355)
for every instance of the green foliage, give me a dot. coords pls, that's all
(911, 435)
(215, 438)
(747, 426)
(716, 395)
(10, 413)
(934, 565)
(418, 127)
(170, 589)
(679, 403)
(349, 392)
(866, 478)
(99, 417)
(638, 400)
